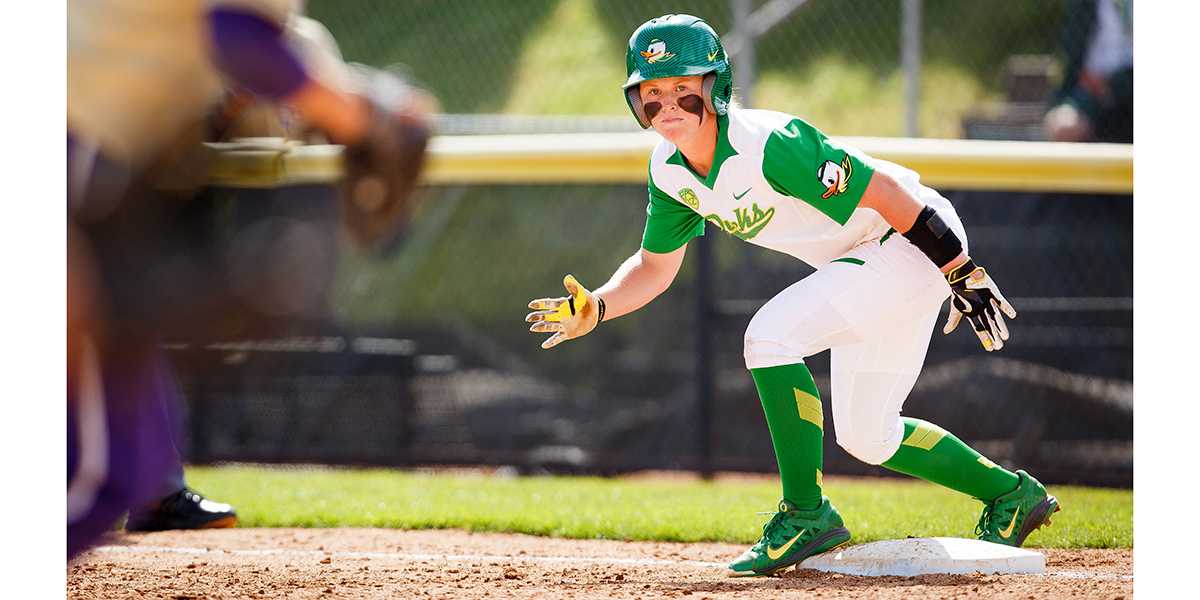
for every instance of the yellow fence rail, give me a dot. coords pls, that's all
(622, 158)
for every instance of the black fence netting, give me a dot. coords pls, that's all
(421, 356)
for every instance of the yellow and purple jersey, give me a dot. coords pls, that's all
(138, 72)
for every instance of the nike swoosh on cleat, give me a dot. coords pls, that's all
(1007, 533)
(775, 553)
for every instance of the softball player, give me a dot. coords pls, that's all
(773, 180)
(139, 74)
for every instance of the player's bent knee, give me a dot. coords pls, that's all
(872, 452)
(762, 347)
(762, 353)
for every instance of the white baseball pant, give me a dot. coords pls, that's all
(875, 309)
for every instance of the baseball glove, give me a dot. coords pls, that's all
(381, 169)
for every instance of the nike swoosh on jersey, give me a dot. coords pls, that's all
(739, 196)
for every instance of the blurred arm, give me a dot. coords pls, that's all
(640, 279)
(250, 49)
(343, 116)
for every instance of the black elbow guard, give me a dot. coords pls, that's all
(933, 237)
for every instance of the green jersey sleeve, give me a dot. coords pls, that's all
(799, 161)
(669, 224)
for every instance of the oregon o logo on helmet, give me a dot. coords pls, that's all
(677, 46)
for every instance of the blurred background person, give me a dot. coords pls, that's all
(140, 77)
(180, 173)
(1094, 103)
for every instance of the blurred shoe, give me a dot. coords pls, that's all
(791, 536)
(1010, 518)
(184, 509)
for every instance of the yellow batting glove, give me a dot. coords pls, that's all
(574, 304)
(568, 317)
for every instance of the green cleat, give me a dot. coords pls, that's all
(1010, 518)
(791, 536)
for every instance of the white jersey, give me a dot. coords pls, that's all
(138, 71)
(776, 182)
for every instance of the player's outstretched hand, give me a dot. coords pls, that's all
(567, 318)
(974, 295)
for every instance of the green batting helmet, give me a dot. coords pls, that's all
(677, 46)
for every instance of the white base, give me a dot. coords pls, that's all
(927, 556)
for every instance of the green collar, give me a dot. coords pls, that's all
(723, 151)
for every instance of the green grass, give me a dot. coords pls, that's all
(624, 508)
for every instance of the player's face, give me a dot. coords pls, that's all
(674, 105)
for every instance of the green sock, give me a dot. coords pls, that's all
(793, 408)
(936, 455)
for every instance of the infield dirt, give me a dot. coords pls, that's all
(388, 563)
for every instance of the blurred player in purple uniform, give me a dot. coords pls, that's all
(140, 74)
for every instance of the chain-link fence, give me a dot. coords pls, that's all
(428, 360)
(984, 68)
(424, 357)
